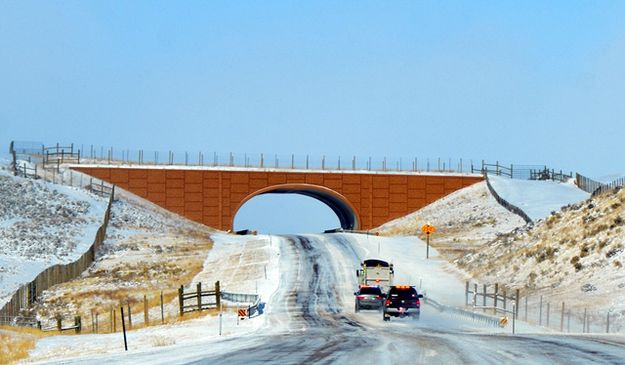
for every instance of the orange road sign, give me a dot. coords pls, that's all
(242, 312)
(428, 229)
(503, 321)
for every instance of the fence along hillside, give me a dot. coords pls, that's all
(28, 294)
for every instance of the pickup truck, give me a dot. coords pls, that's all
(402, 301)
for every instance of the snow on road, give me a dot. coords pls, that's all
(310, 318)
(239, 262)
(537, 198)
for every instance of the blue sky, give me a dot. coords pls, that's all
(519, 82)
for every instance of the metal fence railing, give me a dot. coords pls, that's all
(522, 172)
(255, 306)
(117, 156)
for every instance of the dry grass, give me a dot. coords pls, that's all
(16, 342)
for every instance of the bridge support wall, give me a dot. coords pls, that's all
(212, 196)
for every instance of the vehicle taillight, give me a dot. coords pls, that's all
(378, 297)
(360, 296)
(418, 302)
(388, 302)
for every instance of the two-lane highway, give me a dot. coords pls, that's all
(310, 319)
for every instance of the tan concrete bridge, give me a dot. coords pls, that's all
(213, 195)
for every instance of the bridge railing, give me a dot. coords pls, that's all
(115, 156)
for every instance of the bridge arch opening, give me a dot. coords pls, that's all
(342, 208)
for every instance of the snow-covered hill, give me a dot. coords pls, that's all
(575, 255)
(42, 224)
(537, 198)
(465, 219)
(147, 249)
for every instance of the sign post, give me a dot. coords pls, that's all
(428, 229)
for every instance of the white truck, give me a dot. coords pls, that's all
(375, 272)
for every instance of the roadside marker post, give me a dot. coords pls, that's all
(513, 318)
(428, 229)
(220, 318)
(124, 328)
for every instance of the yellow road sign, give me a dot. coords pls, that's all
(428, 229)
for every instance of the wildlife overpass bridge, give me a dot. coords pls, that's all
(213, 195)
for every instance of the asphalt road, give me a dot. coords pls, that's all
(324, 330)
(312, 321)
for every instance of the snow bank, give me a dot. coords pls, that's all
(537, 198)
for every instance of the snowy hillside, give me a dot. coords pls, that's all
(147, 249)
(537, 198)
(576, 255)
(464, 219)
(42, 224)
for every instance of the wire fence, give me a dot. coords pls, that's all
(117, 156)
(522, 172)
(541, 311)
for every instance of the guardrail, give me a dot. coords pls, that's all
(474, 316)
(255, 306)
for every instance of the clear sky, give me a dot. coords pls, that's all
(538, 82)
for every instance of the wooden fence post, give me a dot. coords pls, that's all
(505, 300)
(129, 317)
(180, 299)
(77, 324)
(146, 318)
(484, 298)
(58, 323)
(548, 310)
(217, 294)
(113, 320)
(585, 321)
(162, 311)
(607, 323)
(495, 298)
(475, 295)
(199, 296)
(466, 293)
(516, 302)
(96, 322)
